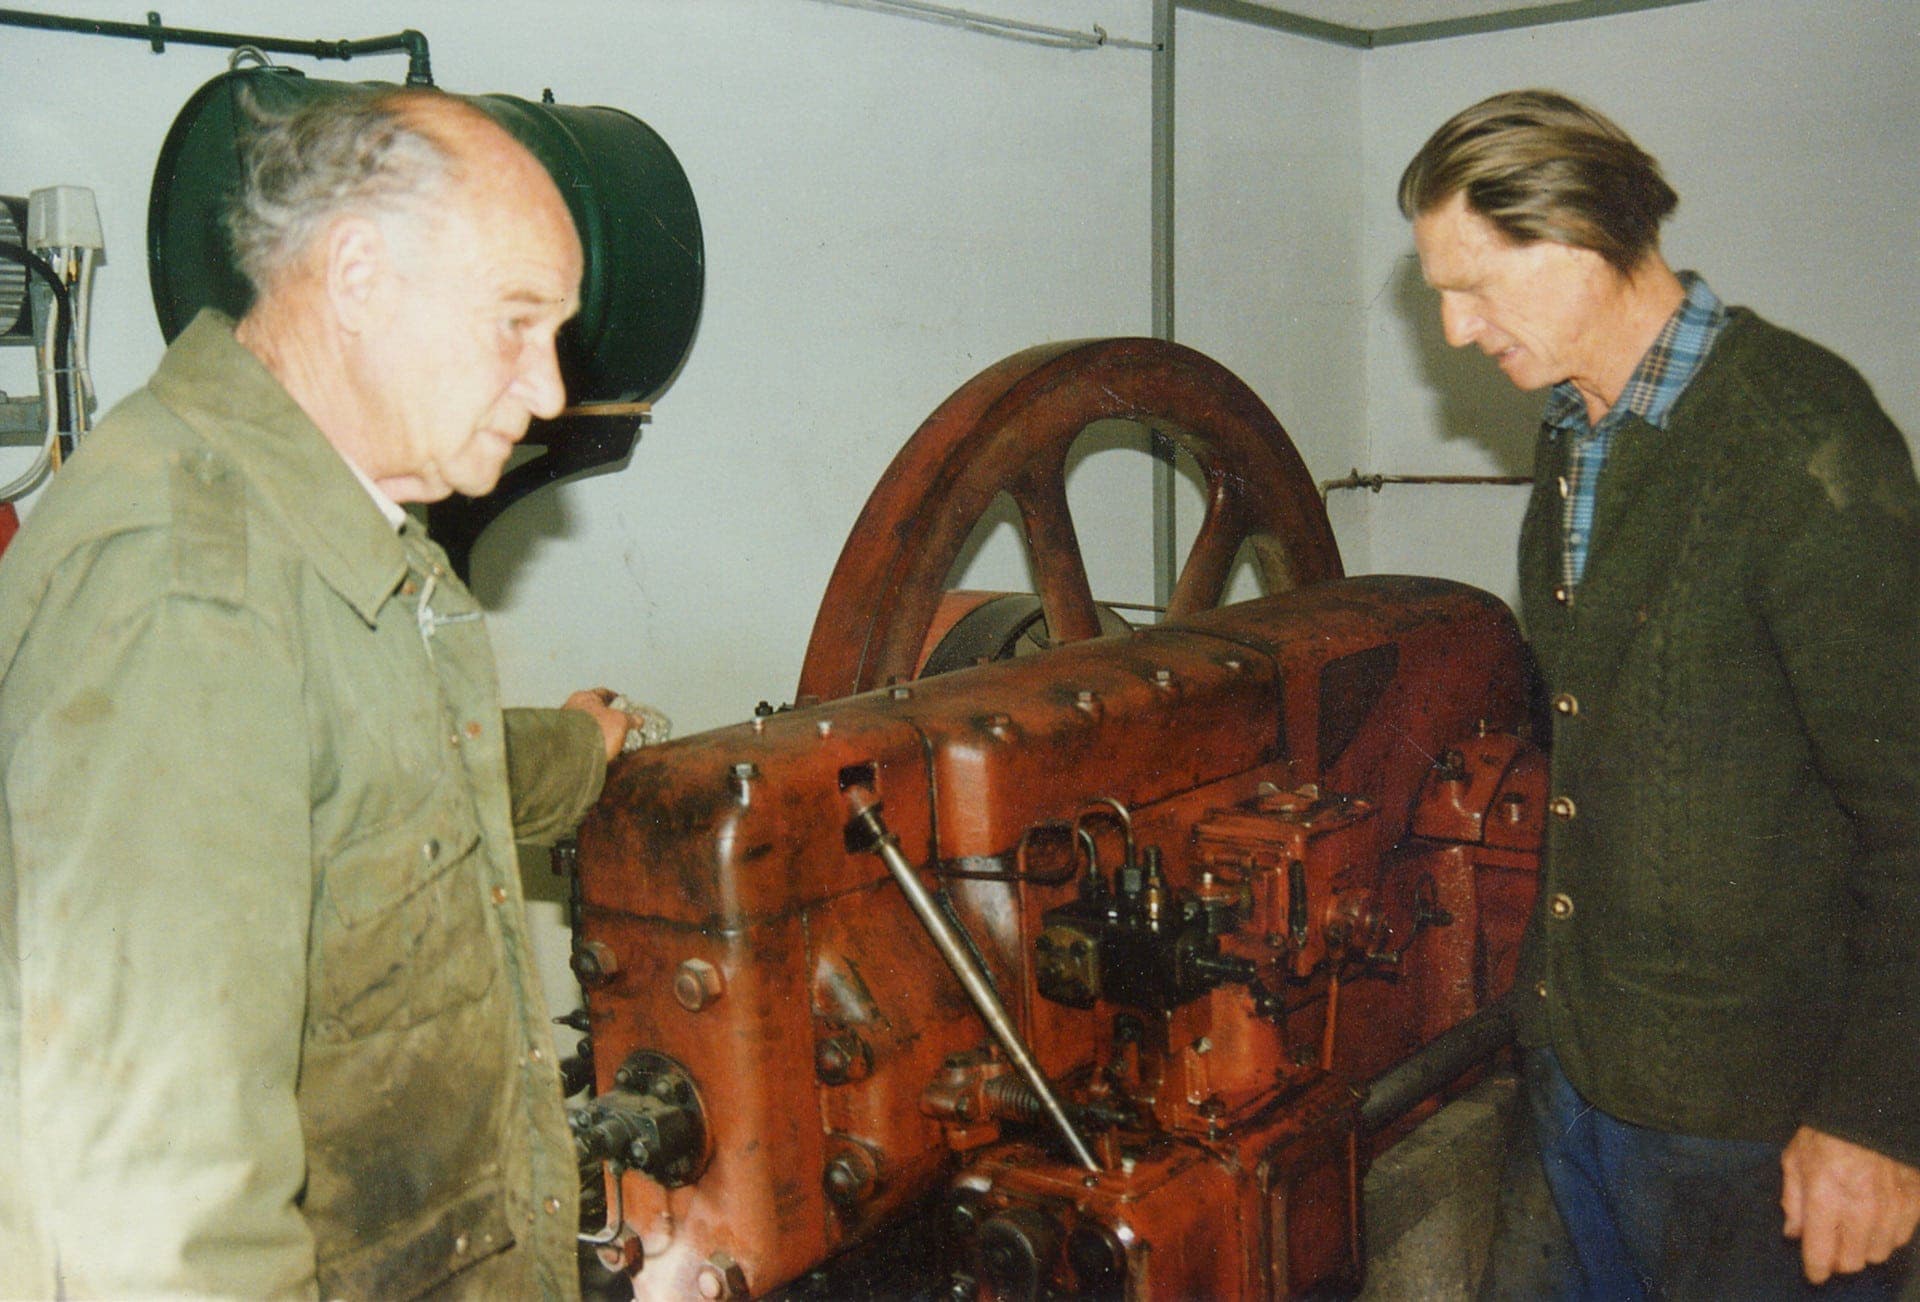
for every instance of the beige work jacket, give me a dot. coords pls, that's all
(269, 1023)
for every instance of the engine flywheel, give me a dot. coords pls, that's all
(1009, 429)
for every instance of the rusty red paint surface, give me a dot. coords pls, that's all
(1345, 819)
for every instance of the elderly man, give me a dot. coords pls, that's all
(269, 1023)
(1720, 573)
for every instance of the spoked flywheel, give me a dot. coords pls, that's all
(1009, 429)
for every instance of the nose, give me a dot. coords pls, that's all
(1458, 322)
(539, 383)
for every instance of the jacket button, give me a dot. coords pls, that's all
(552, 1205)
(1566, 703)
(430, 851)
(1561, 595)
(1561, 483)
(1540, 988)
(499, 894)
(460, 1245)
(1561, 906)
(473, 728)
(1561, 807)
(1640, 615)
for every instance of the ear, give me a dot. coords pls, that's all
(358, 265)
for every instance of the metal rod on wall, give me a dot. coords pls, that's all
(1163, 227)
(1376, 482)
(991, 25)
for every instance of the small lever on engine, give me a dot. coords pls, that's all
(868, 832)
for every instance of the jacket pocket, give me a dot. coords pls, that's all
(402, 928)
(426, 1252)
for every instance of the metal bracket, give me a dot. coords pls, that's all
(22, 415)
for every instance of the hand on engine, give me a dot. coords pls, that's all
(598, 702)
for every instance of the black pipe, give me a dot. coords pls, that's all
(156, 34)
(1393, 1092)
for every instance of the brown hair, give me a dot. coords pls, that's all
(1540, 166)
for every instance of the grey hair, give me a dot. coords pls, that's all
(356, 152)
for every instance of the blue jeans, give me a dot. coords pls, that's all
(1657, 1215)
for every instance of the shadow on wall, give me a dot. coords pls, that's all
(501, 554)
(1477, 403)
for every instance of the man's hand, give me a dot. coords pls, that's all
(598, 702)
(1849, 1206)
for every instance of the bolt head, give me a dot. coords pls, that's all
(623, 1255)
(697, 984)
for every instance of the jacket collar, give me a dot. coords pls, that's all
(232, 401)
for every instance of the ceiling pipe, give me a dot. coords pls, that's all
(157, 34)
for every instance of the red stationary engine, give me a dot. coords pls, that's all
(1066, 973)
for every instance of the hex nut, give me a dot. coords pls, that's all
(697, 984)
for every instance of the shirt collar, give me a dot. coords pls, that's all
(1663, 372)
(232, 401)
(396, 514)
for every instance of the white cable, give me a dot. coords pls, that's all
(24, 484)
(80, 295)
(1012, 29)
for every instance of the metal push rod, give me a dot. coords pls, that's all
(877, 839)
(157, 34)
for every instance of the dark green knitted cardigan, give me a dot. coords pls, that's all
(1728, 942)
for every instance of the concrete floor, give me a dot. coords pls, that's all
(1432, 1201)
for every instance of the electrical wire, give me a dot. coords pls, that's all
(63, 338)
(1061, 38)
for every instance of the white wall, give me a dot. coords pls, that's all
(890, 206)
(1788, 128)
(1267, 252)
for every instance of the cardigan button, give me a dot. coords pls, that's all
(1561, 906)
(1566, 490)
(499, 894)
(1561, 595)
(1567, 703)
(1540, 988)
(1562, 807)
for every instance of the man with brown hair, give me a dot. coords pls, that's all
(269, 1021)
(1720, 574)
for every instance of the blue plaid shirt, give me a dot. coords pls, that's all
(1654, 387)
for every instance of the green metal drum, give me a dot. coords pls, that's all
(639, 228)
